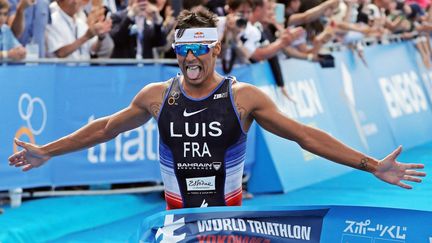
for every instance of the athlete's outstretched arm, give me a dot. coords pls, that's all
(265, 112)
(98, 131)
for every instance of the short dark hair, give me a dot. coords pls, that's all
(199, 18)
(4, 4)
(235, 4)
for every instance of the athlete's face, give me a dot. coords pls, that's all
(197, 62)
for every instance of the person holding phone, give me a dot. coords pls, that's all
(243, 41)
(264, 17)
(300, 48)
(137, 30)
(295, 18)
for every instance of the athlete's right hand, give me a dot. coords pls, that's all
(32, 156)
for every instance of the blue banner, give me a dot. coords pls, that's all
(26, 107)
(365, 104)
(373, 106)
(281, 163)
(324, 224)
(45, 102)
(403, 96)
(131, 156)
(342, 113)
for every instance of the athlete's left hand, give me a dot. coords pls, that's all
(394, 172)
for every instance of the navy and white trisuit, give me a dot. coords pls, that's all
(202, 148)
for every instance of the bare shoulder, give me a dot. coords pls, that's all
(238, 85)
(246, 98)
(151, 96)
(242, 88)
(155, 88)
(246, 94)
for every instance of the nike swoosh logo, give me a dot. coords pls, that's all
(187, 114)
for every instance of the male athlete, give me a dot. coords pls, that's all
(203, 118)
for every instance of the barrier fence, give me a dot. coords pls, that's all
(373, 108)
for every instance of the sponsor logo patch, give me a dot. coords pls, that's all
(201, 183)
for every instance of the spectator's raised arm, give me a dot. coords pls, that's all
(17, 19)
(312, 14)
(11, 48)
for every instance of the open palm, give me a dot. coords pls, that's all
(30, 157)
(394, 172)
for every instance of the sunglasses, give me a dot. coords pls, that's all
(197, 49)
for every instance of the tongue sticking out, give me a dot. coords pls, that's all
(193, 72)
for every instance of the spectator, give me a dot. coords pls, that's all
(344, 23)
(263, 17)
(260, 48)
(93, 11)
(293, 17)
(378, 18)
(167, 13)
(166, 10)
(397, 19)
(301, 48)
(231, 28)
(307, 46)
(100, 12)
(71, 37)
(10, 48)
(28, 20)
(137, 30)
(243, 42)
(365, 13)
(410, 20)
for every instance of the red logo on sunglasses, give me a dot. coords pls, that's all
(199, 35)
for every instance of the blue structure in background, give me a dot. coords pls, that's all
(290, 166)
(52, 101)
(372, 108)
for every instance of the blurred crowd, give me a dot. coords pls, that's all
(250, 30)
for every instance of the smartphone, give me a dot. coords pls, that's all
(280, 13)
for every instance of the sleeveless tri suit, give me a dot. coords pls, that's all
(202, 148)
